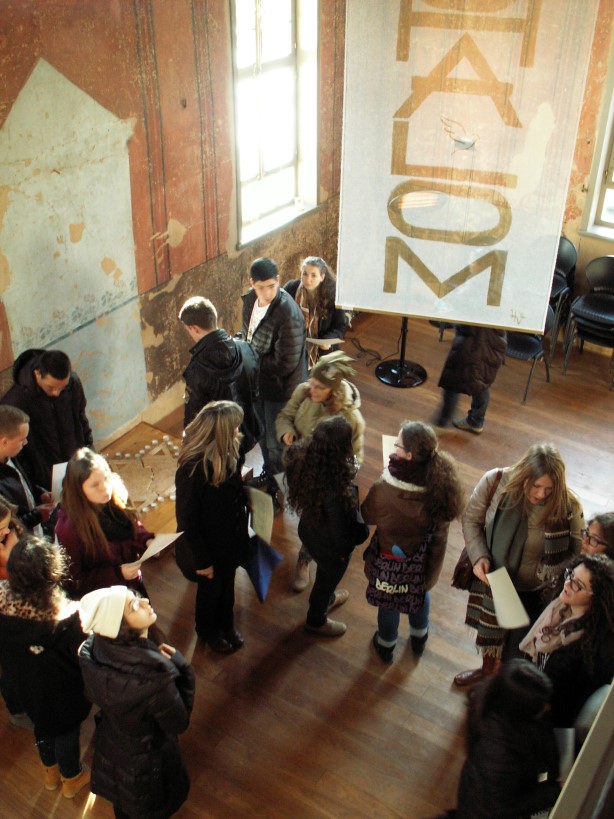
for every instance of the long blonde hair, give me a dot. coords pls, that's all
(212, 438)
(85, 516)
(540, 460)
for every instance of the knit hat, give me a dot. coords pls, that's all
(263, 269)
(101, 611)
(332, 368)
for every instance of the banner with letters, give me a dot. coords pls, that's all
(460, 122)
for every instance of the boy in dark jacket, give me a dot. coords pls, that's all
(274, 326)
(215, 364)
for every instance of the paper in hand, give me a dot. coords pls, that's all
(156, 545)
(57, 478)
(261, 505)
(326, 342)
(508, 606)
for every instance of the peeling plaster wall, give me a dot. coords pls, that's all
(160, 75)
(117, 190)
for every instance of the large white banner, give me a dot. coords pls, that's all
(458, 138)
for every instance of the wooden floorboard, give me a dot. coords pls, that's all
(293, 726)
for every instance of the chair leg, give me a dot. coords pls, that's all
(570, 335)
(526, 389)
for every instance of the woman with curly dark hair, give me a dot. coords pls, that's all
(573, 639)
(315, 294)
(598, 537)
(40, 635)
(412, 504)
(320, 471)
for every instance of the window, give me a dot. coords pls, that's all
(604, 214)
(598, 218)
(275, 90)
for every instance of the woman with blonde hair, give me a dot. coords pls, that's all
(523, 517)
(97, 526)
(211, 511)
(411, 504)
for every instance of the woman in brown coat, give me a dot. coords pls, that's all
(418, 494)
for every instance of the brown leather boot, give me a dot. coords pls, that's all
(490, 666)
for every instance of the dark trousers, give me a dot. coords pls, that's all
(271, 446)
(215, 600)
(477, 411)
(328, 574)
(532, 601)
(63, 751)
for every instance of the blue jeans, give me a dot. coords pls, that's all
(63, 751)
(388, 623)
(477, 411)
(271, 446)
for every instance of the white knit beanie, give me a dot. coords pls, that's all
(101, 611)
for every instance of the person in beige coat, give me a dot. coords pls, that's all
(326, 394)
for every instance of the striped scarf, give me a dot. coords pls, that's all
(506, 550)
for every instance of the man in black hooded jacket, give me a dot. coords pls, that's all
(51, 394)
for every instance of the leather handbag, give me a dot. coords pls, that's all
(462, 576)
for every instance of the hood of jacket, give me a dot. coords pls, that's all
(218, 356)
(120, 677)
(24, 366)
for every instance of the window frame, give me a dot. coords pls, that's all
(304, 161)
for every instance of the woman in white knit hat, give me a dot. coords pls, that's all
(145, 694)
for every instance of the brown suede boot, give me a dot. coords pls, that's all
(490, 666)
(52, 777)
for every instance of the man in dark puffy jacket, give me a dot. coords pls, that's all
(216, 362)
(274, 326)
(47, 390)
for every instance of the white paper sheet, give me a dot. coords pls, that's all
(508, 607)
(156, 545)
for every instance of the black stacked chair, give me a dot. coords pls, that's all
(591, 317)
(562, 286)
(530, 347)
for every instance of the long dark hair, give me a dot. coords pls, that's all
(517, 693)
(319, 465)
(598, 620)
(35, 570)
(443, 489)
(326, 289)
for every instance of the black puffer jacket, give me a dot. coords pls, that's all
(58, 426)
(145, 701)
(279, 341)
(214, 367)
(39, 660)
(474, 359)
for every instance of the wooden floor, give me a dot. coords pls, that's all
(296, 726)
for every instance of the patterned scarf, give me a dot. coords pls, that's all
(559, 624)
(312, 321)
(505, 537)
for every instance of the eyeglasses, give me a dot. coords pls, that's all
(575, 584)
(592, 539)
(135, 603)
(400, 446)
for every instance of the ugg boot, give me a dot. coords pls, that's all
(383, 652)
(301, 576)
(418, 644)
(52, 777)
(490, 666)
(72, 786)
